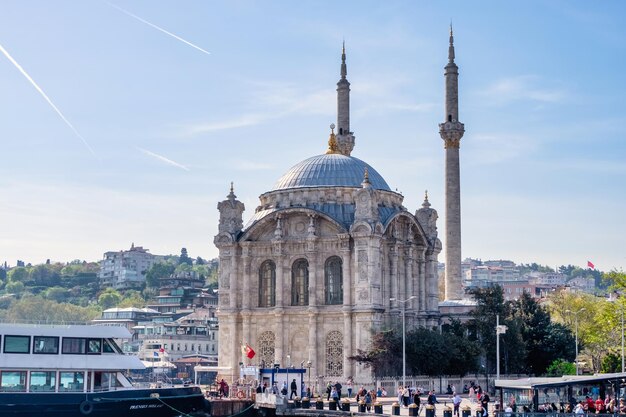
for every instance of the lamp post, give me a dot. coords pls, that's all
(288, 365)
(403, 335)
(500, 329)
(576, 313)
(308, 365)
(622, 311)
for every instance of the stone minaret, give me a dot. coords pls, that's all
(451, 131)
(345, 138)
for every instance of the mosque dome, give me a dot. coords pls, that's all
(330, 170)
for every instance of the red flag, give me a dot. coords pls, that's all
(590, 265)
(249, 352)
(162, 350)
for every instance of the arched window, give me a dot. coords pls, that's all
(300, 283)
(334, 353)
(333, 281)
(267, 284)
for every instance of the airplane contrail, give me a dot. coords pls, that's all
(45, 96)
(134, 16)
(163, 159)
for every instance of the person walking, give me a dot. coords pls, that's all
(349, 384)
(432, 399)
(471, 393)
(484, 402)
(405, 396)
(294, 389)
(456, 401)
(338, 388)
(417, 400)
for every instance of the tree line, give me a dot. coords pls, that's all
(540, 337)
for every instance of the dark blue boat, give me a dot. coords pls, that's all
(60, 370)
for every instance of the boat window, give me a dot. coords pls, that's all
(94, 347)
(71, 381)
(16, 344)
(46, 344)
(74, 345)
(110, 346)
(13, 381)
(43, 381)
(106, 347)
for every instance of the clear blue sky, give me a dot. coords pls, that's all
(542, 98)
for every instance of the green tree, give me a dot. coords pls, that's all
(427, 352)
(382, 354)
(463, 353)
(15, 287)
(16, 274)
(44, 275)
(132, 298)
(184, 267)
(58, 294)
(109, 298)
(184, 257)
(157, 271)
(38, 309)
(560, 367)
(544, 341)
(611, 363)
(490, 302)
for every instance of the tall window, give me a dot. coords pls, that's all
(266, 343)
(334, 353)
(267, 284)
(333, 281)
(300, 283)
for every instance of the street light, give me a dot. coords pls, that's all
(575, 313)
(500, 329)
(403, 336)
(308, 365)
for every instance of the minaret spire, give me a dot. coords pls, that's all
(344, 70)
(345, 138)
(451, 131)
(451, 47)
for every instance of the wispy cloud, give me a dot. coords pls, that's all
(271, 101)
(163, 159)
(276, 100)
(523, 87)
(45, 96)
(160, 29)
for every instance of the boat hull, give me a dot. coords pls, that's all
(160, 402)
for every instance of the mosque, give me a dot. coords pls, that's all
(331, 254)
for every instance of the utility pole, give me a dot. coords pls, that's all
(500, 329)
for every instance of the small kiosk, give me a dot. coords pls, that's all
(282, 377)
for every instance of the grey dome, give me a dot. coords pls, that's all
(330, 170)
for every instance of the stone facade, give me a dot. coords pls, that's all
(314, 271)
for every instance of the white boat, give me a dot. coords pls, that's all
(76, 370)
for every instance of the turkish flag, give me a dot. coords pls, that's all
(250, 352)
(590, 265)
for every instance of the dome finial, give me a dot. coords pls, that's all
(366, 179)
(426, 203)
(332, 141)
(231, 195)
